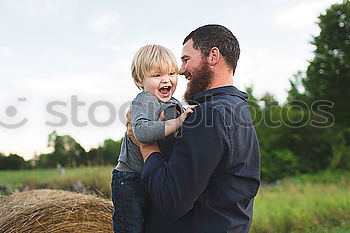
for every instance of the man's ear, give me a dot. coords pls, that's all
(138, 84)
(214, 56)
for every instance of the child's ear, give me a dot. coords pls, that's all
(138, 84)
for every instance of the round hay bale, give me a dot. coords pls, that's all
(55, 211)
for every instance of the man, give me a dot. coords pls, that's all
(208, 183)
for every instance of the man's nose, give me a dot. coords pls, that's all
(182, 69)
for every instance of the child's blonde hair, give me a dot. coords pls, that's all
(151, 59)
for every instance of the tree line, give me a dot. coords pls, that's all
(67, 152)
(317, 112)
(310, 132)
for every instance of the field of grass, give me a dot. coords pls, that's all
(344, 228)
(317, 203)
(96, 178)
(305, 206)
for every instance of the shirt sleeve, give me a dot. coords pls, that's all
(174, 186)
(145, 110)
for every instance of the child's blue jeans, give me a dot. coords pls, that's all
(130, 202)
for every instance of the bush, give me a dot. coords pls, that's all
(278, 164)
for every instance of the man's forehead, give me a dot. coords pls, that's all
(188, 48)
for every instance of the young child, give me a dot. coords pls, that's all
(154, 70)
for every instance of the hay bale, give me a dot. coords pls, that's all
(55, 211)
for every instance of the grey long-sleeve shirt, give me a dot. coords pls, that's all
(146, 109)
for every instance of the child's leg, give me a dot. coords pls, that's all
(114, 198)
(129, 200)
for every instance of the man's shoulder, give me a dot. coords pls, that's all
(224, 103)
(225, 108)
(205, 114)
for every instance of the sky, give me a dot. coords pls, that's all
(65, 64)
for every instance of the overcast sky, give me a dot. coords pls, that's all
(65, 64)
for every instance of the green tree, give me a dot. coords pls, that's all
(105, 154)
(66, 151)
(254, 107)
(269, 101)
(278, 164)
(110, 151)
(296, 93)
(341, 149)
(328, 75)
(12, 162)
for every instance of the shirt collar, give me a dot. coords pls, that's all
(228, 90)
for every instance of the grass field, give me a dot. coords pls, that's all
(317, 203)
(344, 228)
(97, 178)
(304, 205)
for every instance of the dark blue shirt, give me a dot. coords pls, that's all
(208, 183)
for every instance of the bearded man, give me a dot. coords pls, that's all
(208, 183)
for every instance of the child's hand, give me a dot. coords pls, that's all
(188, 110)
(171, 126)
(161, 116)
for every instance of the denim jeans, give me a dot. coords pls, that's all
(130, 202)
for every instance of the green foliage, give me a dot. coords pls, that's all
(344, 227)
(304, 204)
(328, 75)
(292, 208)
(296, 97)
(66, 151)
(105, 154)
(278, 164)
(327, 177)
(293, 139)
(341, 149)
(254, 107)
(110, 151)
(311, 131)
(12, 162)
(69, 153)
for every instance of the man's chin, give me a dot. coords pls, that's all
(189, 95)
(199, 81)
(193, 89)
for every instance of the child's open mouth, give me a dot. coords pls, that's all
(165, 91)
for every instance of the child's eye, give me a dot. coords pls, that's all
(156, 75)
(172, 73)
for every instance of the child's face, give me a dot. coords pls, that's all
(161, 86)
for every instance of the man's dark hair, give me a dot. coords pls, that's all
(213, 35)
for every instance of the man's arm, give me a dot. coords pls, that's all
(174, 186)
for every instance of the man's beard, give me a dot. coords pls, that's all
(200, 80)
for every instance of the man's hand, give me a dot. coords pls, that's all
(146, 149)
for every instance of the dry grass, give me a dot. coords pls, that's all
(55, 211)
